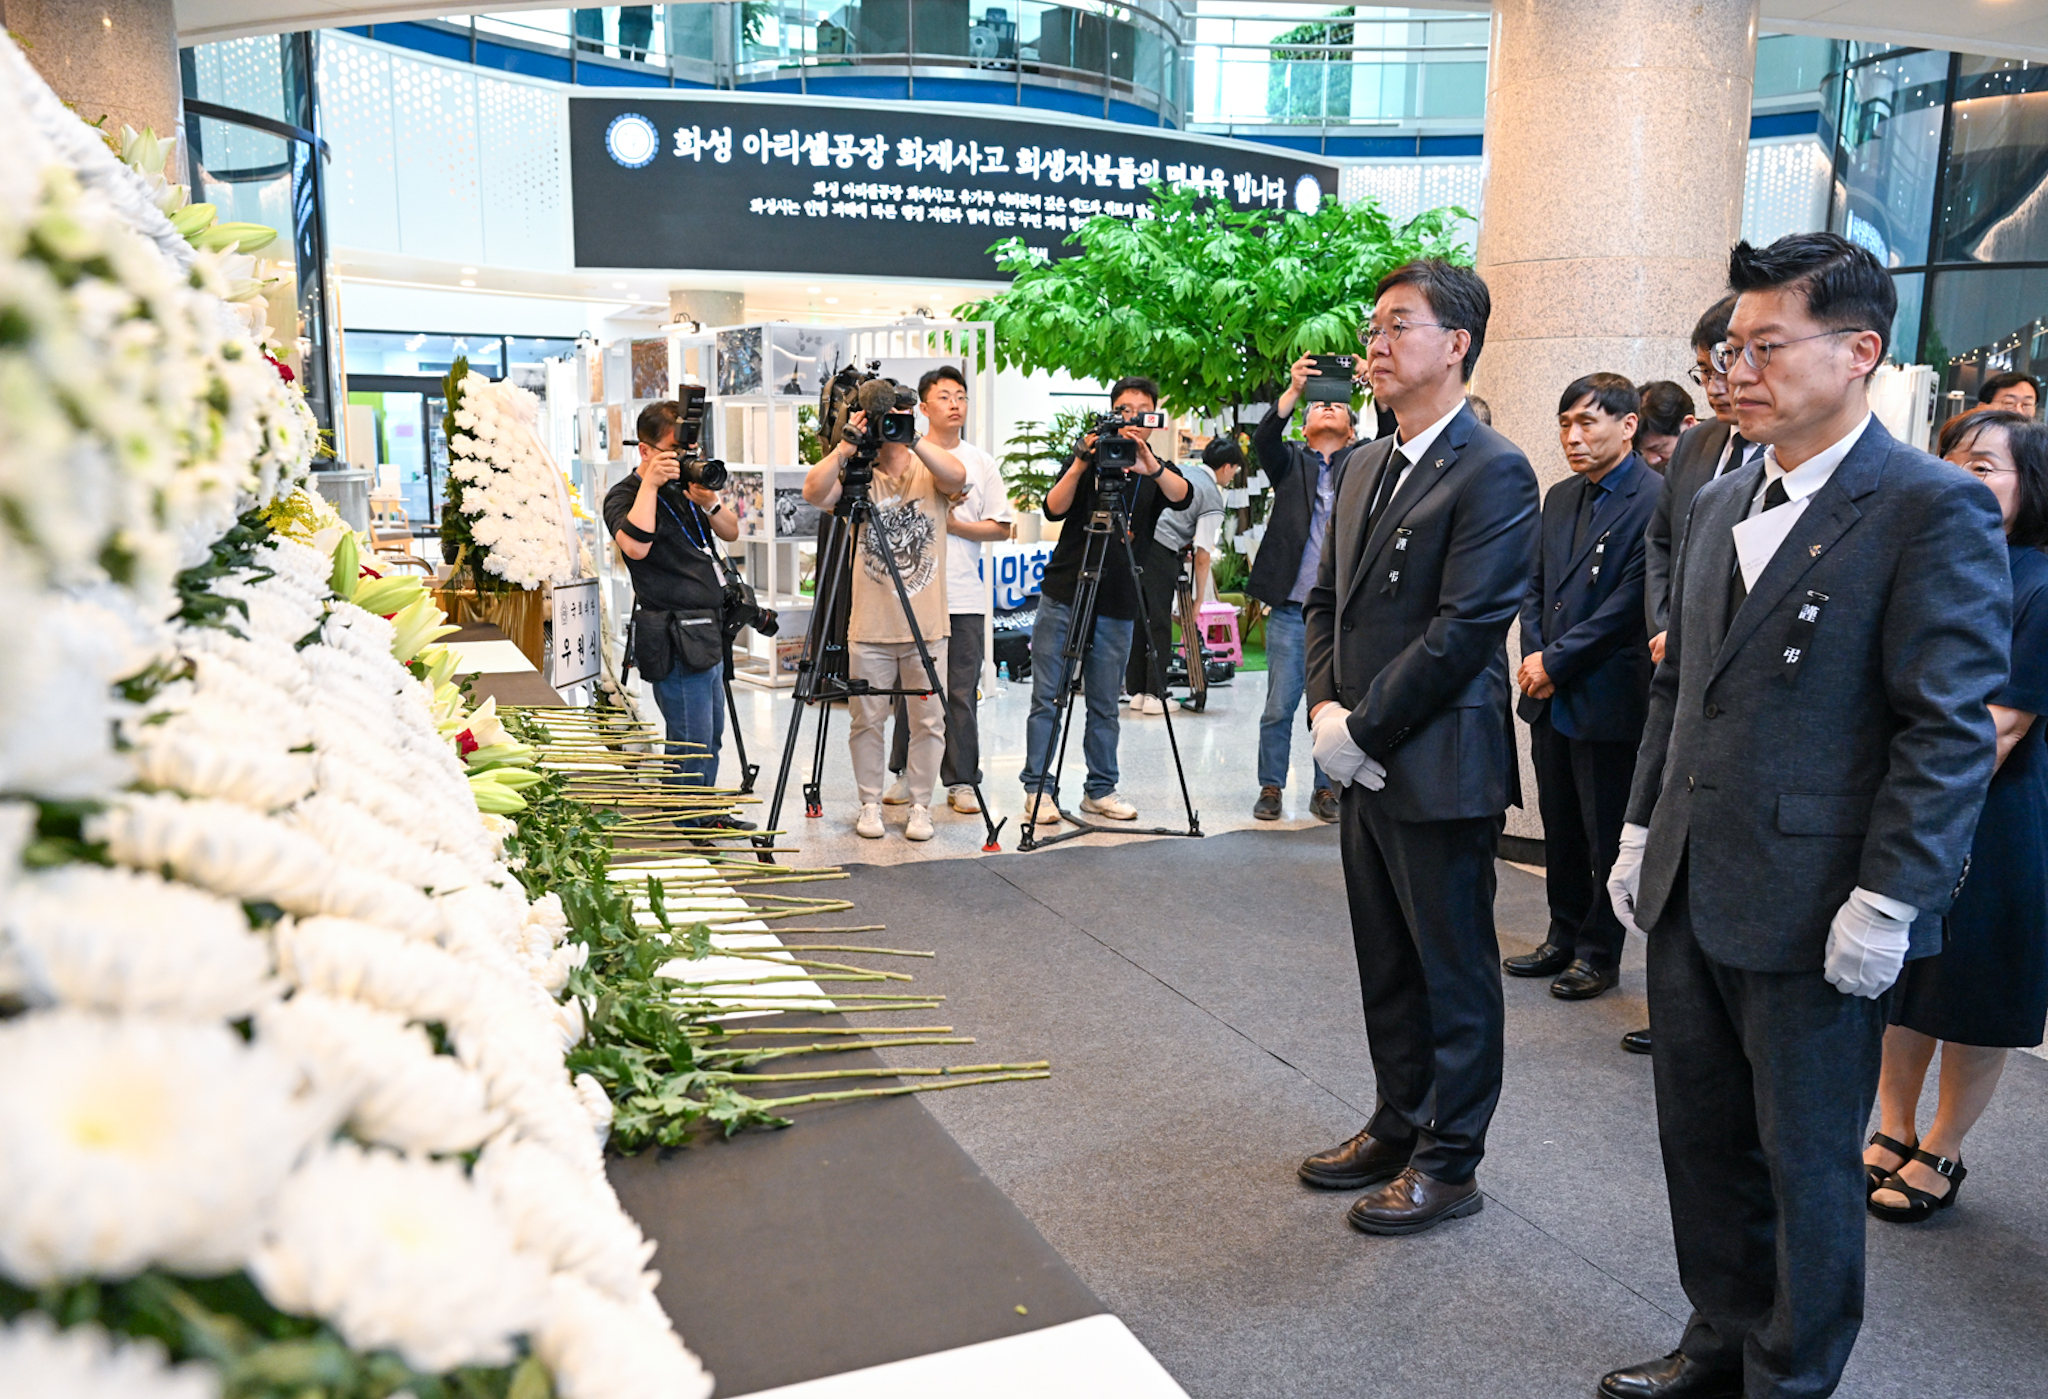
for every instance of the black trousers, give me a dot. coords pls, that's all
(1764, 1086)
(961, 765)
(1421, 895)
(1582, 791)
(1160, 577)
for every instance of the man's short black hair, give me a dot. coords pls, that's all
(931, 377)
(1665, 407)
(1457, 298)
(2026, 440)
(1712, 327)
(1844, 285)
(1134, 381)
(1613, 394)
(1999, 383)
(655, 421)
(1223, 450)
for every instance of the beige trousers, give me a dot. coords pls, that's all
(895, 665)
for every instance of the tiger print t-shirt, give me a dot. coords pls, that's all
(913, 512)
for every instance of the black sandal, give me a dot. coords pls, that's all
(1920, 1204)
(1874, 1176)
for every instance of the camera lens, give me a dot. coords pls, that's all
(712, 474)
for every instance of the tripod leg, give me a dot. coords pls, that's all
(748, 771)
(1073, 655)
(830, 568)
(1157, 669)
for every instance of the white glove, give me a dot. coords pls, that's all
(1867, 943)
(1341, 759)
(1627, 875)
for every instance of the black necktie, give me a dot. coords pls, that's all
(1587, 505)
(1383, 491)
(1736, 447)
(1774, 497)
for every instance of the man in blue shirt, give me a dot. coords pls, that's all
(1303, 476)
(1585, 676)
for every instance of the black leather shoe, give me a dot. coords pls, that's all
(1547, 960)
(1412, 1202)
(1267, 807)
(1582, 981)
(1323, 805)
(1362, 1161)
(1637, 1041)
(1676, 1376)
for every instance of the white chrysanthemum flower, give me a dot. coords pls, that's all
(133, 942)
(397, 1091)
(597, 1103)
(400, 1253)
(374, 965)
(136, 1142)
(567, 1218)
(37, 1361)
(600, 1348)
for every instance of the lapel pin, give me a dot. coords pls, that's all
(1814, 552)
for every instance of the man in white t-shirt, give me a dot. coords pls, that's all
(980, 512)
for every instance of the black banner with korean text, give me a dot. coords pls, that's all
(877, 190)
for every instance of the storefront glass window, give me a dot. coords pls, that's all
(1995, 200)
(1889, 148)
(1985, 322)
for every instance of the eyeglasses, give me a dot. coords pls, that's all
(1757, 353)
(1369, 332)
(1984, 470)
(1700, 376)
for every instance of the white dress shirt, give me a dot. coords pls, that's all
(1415, 446)
(987, 499)
(1807, 477)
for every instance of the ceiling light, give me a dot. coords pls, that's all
(469, 281)
(618, 286)
(814, 290)
(831, 301)
(469, 271)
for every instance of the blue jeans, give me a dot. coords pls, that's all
(693, 703)
(1286, 678)
(1102, 674)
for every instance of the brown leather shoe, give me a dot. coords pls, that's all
(1676, 1376)
(1362, 1161)
(1412, 1202)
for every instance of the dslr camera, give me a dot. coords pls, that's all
(890, 417)
(694, 468)
(1113, 454)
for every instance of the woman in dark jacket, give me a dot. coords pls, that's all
(1987, 990)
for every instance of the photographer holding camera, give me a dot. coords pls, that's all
(663, 518)
(912, 481)
(1148, 487)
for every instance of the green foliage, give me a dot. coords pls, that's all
(262, 1353)
(198, 604)
(1038, 454)
(810, 447)
(1213, 303)
(1297, 92)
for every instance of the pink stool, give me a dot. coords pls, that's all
(1218, 621)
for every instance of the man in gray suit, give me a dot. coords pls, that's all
(1424, 568)
(1817, 752)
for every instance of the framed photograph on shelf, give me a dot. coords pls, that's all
(739, 360)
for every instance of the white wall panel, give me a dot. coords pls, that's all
(1786, 188)
(440, 203)
(1406, 188)
(523, 138)
(355, 117)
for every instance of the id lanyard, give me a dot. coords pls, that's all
(693, 536)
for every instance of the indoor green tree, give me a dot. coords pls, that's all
(1213, 303)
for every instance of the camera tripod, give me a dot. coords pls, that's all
(1108, 519)
(821, 671)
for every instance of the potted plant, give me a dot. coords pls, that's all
(1038, 453)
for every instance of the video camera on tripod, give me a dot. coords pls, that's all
(890, 418)
(1114, 455)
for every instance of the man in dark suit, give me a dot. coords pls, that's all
(1703, 453)
(1816, 755)
(1585, 678)
(1304, 477)
(1425, 568)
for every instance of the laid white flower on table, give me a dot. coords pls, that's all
(403, 1254)
(216, 845)
(568, 1218)
(364, 962)
(597, 1103)
(133, 942)
(395, 1090)
(130, 1143)
(37, 1361)
(600, 1348)
(53, 732)
(186, 758)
